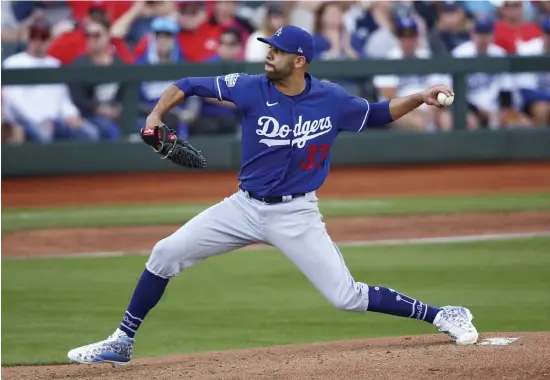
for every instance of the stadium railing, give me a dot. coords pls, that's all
(223, 152)
(131, 76)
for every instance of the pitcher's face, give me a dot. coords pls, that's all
(279, 64)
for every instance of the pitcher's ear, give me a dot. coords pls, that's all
(300, 61)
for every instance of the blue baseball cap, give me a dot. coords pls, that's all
(406, 27)
(292, 39)
(165, 25)
(484, 25)
(545, 24)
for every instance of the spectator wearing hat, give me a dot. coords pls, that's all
(45, 112)
(490, 97)
(275, 17)
(535, 87)
(423, 118)
(382, 39)
(512, 27)
(331, 39)
(451, 29)
(162, 44)
(198, 38)
(71, 44)
(163, 48)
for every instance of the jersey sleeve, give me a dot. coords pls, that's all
(235, 88)
(354, 112)
(232, 87)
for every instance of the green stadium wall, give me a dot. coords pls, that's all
(223, 152)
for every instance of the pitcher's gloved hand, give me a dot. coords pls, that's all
(167, 143)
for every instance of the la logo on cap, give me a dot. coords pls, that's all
(279, 32)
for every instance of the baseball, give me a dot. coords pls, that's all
(444, 99)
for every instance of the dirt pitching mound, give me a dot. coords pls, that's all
(418, 357)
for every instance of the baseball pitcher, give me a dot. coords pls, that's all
(290, 120)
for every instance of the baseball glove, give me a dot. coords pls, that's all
(168, 144)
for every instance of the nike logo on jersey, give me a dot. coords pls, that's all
(278, 134)
(271, 104)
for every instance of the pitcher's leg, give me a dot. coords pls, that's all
(302, 237)
(222, 228)
(324, 266)
(219, 229)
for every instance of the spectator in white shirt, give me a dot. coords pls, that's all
(535, 87)
(45, 111)
(423, 118)
(490, 97)
(275, 18)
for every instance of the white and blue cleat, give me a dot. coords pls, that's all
(116, 350)
(456, 321)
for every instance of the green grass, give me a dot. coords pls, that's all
(21, 219)
(249, 299)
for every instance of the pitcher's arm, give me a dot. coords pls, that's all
(205, 87)
(383, 113)
(168, 100)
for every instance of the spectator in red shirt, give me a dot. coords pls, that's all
(198, 38)
(69, 45)
(512, 28)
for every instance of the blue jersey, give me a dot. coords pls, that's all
(286, 140)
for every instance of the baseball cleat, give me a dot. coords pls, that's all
(456, 321)
(116, 349)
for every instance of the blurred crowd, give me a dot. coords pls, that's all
(38, 34)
